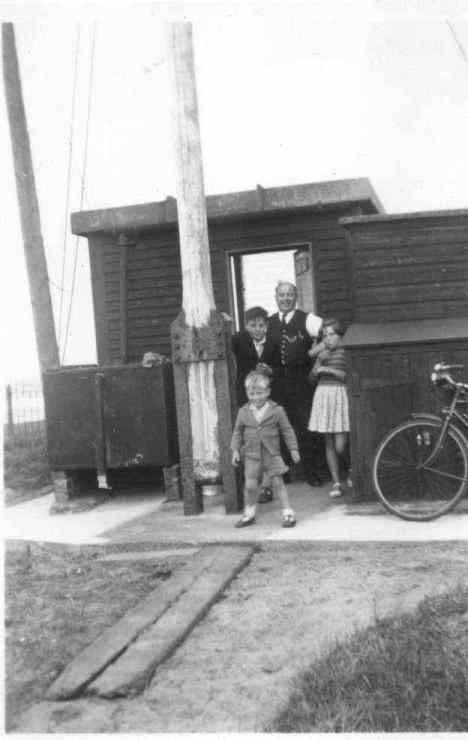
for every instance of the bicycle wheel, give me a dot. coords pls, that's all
(409, 488)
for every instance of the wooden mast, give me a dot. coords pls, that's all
(41, 302)
(199, 337)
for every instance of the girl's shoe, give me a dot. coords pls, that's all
(289, 520)
(336, 491)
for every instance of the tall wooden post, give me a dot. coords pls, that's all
(200, 335)
(29, 208)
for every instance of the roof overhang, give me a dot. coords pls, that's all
(405, 332)
(334, 194)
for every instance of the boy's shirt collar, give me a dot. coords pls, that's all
(259, 413)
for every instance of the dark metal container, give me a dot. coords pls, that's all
(119, 416)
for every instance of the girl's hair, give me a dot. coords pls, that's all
(335, 324)
(256, 378)
(257, 312)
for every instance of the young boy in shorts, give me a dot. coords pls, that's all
(257, 430)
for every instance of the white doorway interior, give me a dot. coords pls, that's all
(254, 276)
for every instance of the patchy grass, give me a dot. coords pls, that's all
(58, 600)
(26, 467)
(404, 674)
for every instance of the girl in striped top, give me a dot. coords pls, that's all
(330, 414)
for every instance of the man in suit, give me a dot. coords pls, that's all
(292, 333)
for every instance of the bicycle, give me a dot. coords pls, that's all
(420, 468)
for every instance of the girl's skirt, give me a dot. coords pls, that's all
(330, 412)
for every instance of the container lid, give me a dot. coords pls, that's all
(406, 332)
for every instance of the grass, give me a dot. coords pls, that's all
(26, 467)
(404, 674)
(58, 599)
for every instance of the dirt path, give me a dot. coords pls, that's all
(288, 606)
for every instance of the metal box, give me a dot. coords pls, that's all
(124, 413)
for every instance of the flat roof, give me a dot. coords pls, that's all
(319, 195)
(461, 213)
(405, 332)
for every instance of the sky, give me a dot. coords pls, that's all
(288, 93)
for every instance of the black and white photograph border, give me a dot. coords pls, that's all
(235, 367)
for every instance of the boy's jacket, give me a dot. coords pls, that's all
(249, 434)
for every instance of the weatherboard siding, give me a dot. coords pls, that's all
(153, 276)
(409, 268)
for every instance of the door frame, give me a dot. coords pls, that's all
(234, 274)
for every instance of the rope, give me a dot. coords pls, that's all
(83, 181)
(457, 42)
(67, 196)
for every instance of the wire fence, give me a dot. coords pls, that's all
(25, 415)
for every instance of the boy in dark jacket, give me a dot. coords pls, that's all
(250, 347)
(256, 437)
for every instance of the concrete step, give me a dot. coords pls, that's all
(108, 646)
(129, 674)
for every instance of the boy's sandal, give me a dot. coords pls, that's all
(266, 495)
(336, 491)
(245, 521)
(289, 520)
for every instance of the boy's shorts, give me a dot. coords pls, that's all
(271, 464)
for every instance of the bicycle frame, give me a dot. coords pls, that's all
(450, 413)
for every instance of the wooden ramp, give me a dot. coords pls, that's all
(123, 659)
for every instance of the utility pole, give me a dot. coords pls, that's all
(200, 335)
(29, 208)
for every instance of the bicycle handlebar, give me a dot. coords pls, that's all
(439, 367)
(441, 372)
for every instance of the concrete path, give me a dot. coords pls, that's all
(32, 520)
(145, 517)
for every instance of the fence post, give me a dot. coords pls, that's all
(9, 402)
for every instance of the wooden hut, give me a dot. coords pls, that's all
(409, 305)
(135, 265)
(117, 415)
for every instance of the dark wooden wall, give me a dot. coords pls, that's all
(154, 296)
(388, 383)
(408, 268)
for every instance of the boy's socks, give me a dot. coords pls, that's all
(249, 512)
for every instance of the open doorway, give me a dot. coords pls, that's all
(254, 276)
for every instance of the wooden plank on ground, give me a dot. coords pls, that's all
(132, 671)
(89, 664)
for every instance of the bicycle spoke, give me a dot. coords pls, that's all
(397, 462)
(444, 475)
(404, 444)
